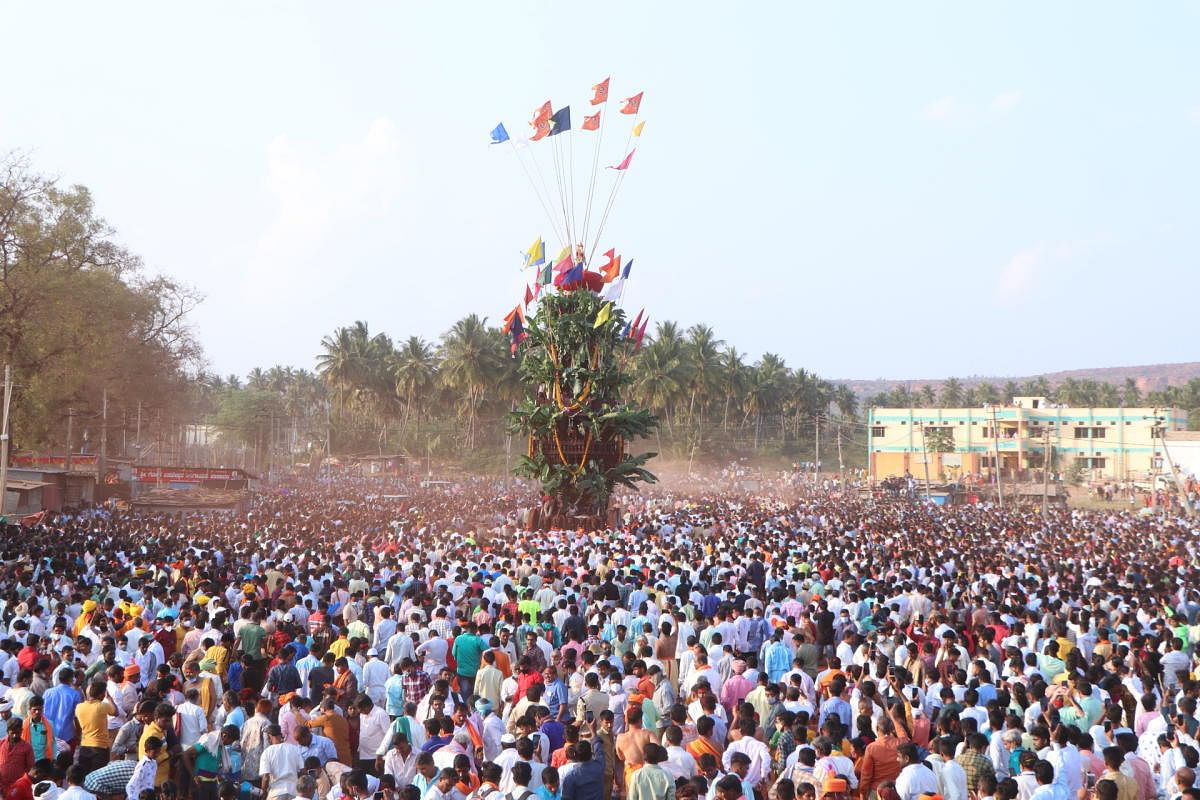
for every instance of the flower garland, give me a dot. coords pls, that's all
(587, 446)
(587, 387)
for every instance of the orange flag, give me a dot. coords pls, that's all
(612, 270)
(592, 123)
(600, 91)
(632, 104)
(542, 127)
(542, 114)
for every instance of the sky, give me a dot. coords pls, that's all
(896, 190)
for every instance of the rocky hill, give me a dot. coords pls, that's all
(1150, 377)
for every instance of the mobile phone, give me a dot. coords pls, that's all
(588, 716)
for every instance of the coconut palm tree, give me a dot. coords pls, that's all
(702, 360)
(764, 390)
(414, 369)
(951, 395)
(659, 378)
(470, 362)
(731, 380)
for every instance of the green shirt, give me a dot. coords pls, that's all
(468, 650)
(252, 639)
(206, 761)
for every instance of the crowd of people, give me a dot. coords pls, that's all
(341, 642)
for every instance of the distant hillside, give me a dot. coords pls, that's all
(1152, 377)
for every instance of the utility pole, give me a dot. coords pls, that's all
(1187, 504)
(841, 464)
(102, 461)
(996, 450)
(70, 436)
(1045, 473)
(138, 435)
(925, 458)
(817, 451)
(4, 438)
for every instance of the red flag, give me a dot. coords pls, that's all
(636, 320)
(612, 270)
(637, 342)
(528, 296)
(625, 161)
(565, 264)
(600, 91)
(542, 130)
(542, 114)
(33, 519)
(632, 104)
(592, 123)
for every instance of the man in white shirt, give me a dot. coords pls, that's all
(952, 778)
(679, 763)
(280, 764)
(752, 748)
(373, 726)
(915, 779)
(193, 722)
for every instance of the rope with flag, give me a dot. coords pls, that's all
(558, 197)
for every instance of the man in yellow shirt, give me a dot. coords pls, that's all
(164, 720)
(219, 653)
(92, 715)
(340, 645)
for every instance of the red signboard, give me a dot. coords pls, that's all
(185, 474)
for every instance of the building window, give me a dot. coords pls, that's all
(987, 433)
(1156, 462)
(1086, 462)
(878, 430)
(1156, 432)
(987, 462)
(1098, 433)
(1081, 433)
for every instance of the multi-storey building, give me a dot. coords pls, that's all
(1108, 443)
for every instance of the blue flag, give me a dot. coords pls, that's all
(625, 272)
(499, 135)
(561, 121)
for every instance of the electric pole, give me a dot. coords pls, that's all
(1187, 504)
(841, 464)
(925, 458)
(817, 451)
(102, 461)
(996, 450)
(1045, 473)
(138, 435)
(4, 438)
(70, 436)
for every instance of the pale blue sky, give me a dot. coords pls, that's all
(888, 190)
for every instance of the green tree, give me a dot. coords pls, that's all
(470, 362)
(951, 395)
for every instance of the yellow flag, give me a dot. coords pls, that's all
(566, 251)
(536, 254)
(603, 314)
(637, 129)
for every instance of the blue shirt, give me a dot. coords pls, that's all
(835, 706)
(585, 781)
(556, 697)
(778, 661)
(60, 709)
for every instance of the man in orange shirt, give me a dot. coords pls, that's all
(881, 761)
